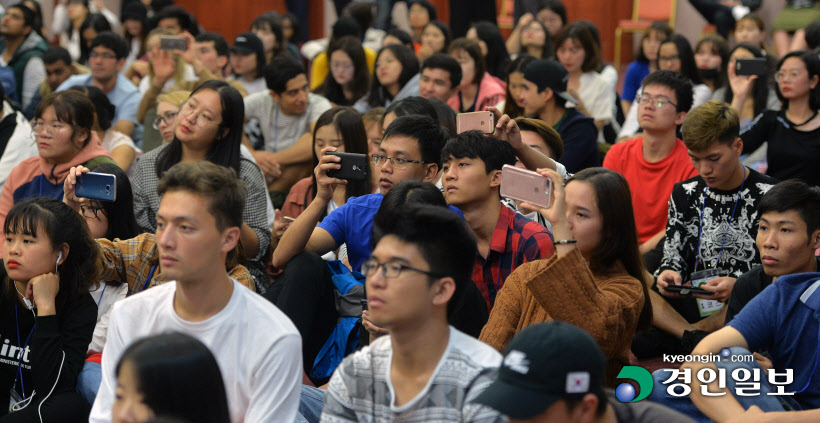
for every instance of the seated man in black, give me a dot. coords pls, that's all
(787, 238)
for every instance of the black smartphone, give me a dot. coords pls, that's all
(354, 167)
(688, 290)
(364, 304)
(753, 66)
(173, 42)
(99, 186)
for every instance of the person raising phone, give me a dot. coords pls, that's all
(596, 279)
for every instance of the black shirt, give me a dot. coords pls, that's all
(68, 331)
(580, 137)
(792, 153)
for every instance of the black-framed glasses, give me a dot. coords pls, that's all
(167, 119)
(397, 162)
(91, 212)
(391, 270)
(658, 100)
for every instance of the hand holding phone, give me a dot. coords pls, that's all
(173, 42)
(354, 167)
(480, 121)
(752, 66)
(526, 185)
(99, 186)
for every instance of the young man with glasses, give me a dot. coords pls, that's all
(410, 150)
(425, 370)
(282, 119)
(107, 57)
(544, 96)
(654, 163)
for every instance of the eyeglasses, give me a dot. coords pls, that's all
(52, 129)
(668, 58)
(391, 270)
(201, 120)
(95, 55)
(397, 162)
(341, 66)
(167, 119)
(783, 75)
(90, 212)
(657, 101)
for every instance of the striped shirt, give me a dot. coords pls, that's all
(516, 240)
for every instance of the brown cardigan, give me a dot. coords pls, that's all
(607, 306)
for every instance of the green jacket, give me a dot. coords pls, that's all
(33, 46)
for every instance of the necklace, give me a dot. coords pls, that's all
(813, 115)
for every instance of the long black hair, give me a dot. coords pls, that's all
(686, 55)
(619, 236)
(224, 149)
(349, 125)
(103, 108)
(409, 68)
(497, 58)
(120, 213)
(178, 377)
(330, 88)
(42, 216)
(760, 89)
(98, 23)
(518, 65)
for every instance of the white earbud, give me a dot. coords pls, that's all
(59, 257)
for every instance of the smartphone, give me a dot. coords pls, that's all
(481, 121)
(99, 186)
(364, 304)
(354, 167)
(173, 42)
(753, 66)
(526, 185)
(289, 219)
(688, 290)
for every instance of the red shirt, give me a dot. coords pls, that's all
(650, 183)
(516, 240)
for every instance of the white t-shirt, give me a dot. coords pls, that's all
(258, 349)
(258, 85)
(279, 130)
(114, 139)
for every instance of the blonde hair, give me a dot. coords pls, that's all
(175, 98)
(373, 115)
(713, 121)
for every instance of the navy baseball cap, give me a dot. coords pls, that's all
(544, 363)
(548, 73)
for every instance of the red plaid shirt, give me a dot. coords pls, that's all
(516, 240)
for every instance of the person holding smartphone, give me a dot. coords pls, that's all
(791, 132)
(596, 278)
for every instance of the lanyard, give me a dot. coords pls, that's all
(728, 227)
(20, 352)
(146, 279)
(105, 285)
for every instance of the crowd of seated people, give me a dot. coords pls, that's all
(266, 228)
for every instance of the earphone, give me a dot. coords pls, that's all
(59, 257)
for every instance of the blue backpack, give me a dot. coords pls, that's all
(8, 82)
(349, 291)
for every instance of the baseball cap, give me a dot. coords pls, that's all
(248, 43)
(548, 73)
(544, 363)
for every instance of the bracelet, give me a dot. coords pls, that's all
(566, 241)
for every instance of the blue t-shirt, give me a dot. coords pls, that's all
(352, 224)
(635, 74)
(780, 321)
